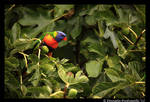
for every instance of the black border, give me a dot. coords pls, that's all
(147, 98)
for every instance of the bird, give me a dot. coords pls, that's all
(51, 40)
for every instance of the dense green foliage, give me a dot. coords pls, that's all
(104, 56)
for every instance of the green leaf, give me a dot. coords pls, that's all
(35, 77)
(24, 89)
(10, 66)
(33, 58)
(97, 48)
(62, 43)
(46, 60)
(77, 29)
(114, 62)
(125, 30)
(72, 93)
(47, 82)
(69, 78)
(11, 63)
(90, 20)
(11, 80)
(37, 90)
(69, 67)
(135, 67)
(133, 19)
(103, 88)
(60, 25)
(122, 52)
(12, 85)
(81, 78)
(123, 17)
(141, 10)
(130, 78)
(32, 18)
(47, 68)
(120, 86)
(50, 27)
(108, 16)
(8, 45)
(13, 60)
(58, 94)
(78, 74)
(62, 74)
(31, 68)
(127, 15)
(16, 31)
(114, 75)
(112, 36)
(101, 28)
(59, 9)
(21, 45)
(94, 68)
(47, 89)
(13, 91)
(63, 61)
(92, 9)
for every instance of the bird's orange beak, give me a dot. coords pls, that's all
(65, 38)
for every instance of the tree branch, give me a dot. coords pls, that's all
(139, 37)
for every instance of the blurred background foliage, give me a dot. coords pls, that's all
(104, 56)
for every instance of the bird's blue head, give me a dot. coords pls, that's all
(60, 36)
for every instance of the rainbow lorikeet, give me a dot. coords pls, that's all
(51, 40)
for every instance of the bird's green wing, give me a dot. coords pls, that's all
(53, 34)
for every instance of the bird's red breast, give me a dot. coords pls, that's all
(50, 41)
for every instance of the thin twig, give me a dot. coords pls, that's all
(140, 82)
(143, 94)
(122, 64)
(128, 40)
(133, 32)
(43, 75)
(21, 83)
(25, 55)
(58, 18)
(39, 57)
(65, 90)
(143, 31)
(35, 39)
(20, 79)
(51, 10)
(39, 54)
(139, 37)
(11, 7)
(101, 31)
(136, 50)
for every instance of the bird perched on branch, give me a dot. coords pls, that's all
(51, 40)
